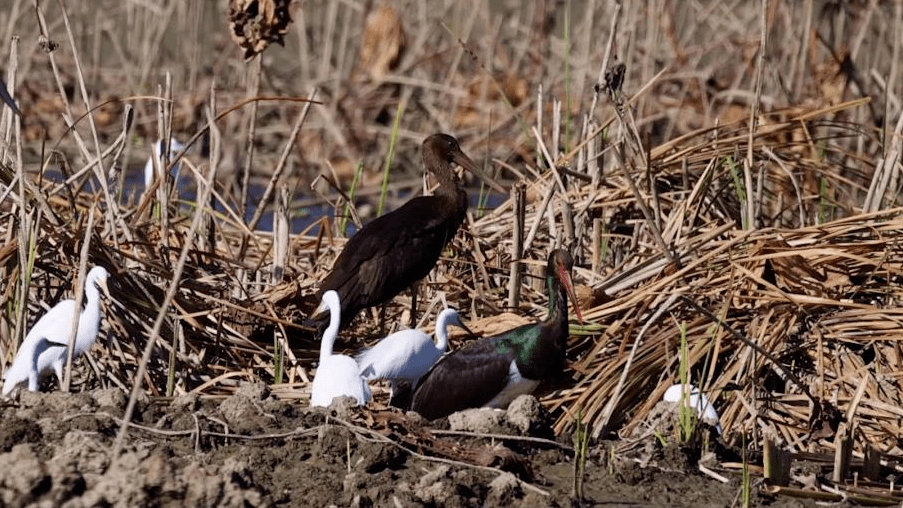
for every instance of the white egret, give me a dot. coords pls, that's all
(695, 399)
(337, 375)
(407, 355)
(174, 147)
(45, 346)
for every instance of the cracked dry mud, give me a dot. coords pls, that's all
(251, 449)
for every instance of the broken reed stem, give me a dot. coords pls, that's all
(556, 126)
(600, 80)
(166, 135)
(252, 133)
(753, 118)
(596, 247)
(162, 205)
(281, 231)
(283, 161)
(518, 195)
(173, 358)
(116, 177)
(79, 298)
(537, 217)
(10, 114)
(28, 234)
(895, 64)
(567, 221)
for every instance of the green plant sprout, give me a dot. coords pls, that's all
(662, 439)
(171, 371)
(739, 188)
(567, 78)
(278, 360)
(745, 486)
(686, 415)
(390, 156)
(358, 170)
(581, 442)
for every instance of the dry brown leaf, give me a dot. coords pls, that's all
(382, 43)
(254, 24)
(497, 324)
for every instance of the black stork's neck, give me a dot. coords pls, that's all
(544, 355)
(558, 280)
(440, 154)
(558, 300)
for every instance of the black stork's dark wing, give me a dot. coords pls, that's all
(472, 376)
(392, 252)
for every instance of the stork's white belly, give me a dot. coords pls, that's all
(517, 385)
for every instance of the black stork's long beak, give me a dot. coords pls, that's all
(565, 277)
(465, 162)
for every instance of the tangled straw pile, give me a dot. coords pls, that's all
(820, 298)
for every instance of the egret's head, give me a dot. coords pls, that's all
(98, 276)
(455, 319)
(329, 303)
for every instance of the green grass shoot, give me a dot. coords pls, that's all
(604, 244)
(686, 415)
(745, 485)
(171, 369)
(581, 443)
(358, 170)
(739, 188)
(278, 360)
(662, 439)
(567, 79)
(483, 199)
(825, 208)
(390, 156)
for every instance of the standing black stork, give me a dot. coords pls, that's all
(493, 371)
(395, 250)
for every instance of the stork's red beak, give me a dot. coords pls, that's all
(565, 277)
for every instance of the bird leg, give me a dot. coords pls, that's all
(382, 319)
(392, 387)
(414, 287)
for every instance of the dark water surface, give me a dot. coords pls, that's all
(302, 216)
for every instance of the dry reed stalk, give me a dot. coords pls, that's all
(517, 196)
(283, 160)
(253, 91)
(79, 297)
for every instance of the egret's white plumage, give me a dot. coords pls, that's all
(697, 400)
(337, 375)
(174, 147)
(407, 355)
(45, 346)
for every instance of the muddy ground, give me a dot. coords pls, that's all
(251, 449)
